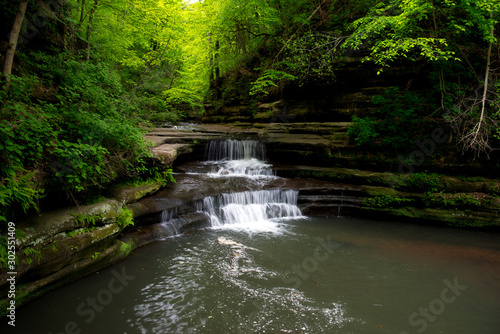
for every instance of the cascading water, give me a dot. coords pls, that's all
(251, 209)
(230, 149)
(238, 158)
(167, 221)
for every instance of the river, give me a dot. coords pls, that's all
(263, 267)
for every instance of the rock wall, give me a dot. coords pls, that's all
(63, 245)
(351, 93)
(66, 244)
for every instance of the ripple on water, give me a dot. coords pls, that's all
(222, 286)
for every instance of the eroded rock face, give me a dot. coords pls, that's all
(356, 82)
(60, 246)
(66, 244)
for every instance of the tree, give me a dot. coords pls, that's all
(396, 30)
(447, 34)
(477, 115)
(89, 26)
(13, 39)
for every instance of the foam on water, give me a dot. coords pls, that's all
(251, 168)
(252, 211)
(238, 158)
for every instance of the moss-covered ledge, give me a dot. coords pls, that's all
(64, 245)
(406, 182)
(472, 202)
(471, 210)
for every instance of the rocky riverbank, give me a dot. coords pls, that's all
(332, 177)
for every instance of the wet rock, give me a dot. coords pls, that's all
(126, 194)
(66, 244)
(168, 153)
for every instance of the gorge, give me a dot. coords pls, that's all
(231, 226)
(247, 166)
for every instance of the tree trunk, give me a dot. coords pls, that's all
(213, 57)
(217, 72)
(477, 139)
(485, 91)
(13, 39)
(89, 27)
(240, 38)
(486, 83)
(76, 28)
(82, 12)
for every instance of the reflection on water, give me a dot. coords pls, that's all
(333, 275)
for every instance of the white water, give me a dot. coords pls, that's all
(238, 158)
(167, 221)
(251, 167)
(220, 150)
(253, 211)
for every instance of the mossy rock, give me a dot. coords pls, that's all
(131, 194)
(452, 217)
(76, 270)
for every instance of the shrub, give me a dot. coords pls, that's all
(385, 201)
(422, 182)
(71, 121)
(399, 120)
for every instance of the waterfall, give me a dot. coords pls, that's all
(167, 221)
(251, 207)
(238, 158)
(222, 150)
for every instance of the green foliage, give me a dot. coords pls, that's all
(125, 218)
(18, 188)
(493, 187)
(363, 131)
(422, 182)
(125, 248)
(269, 79)
(394, 31)
(81, 165)
(77, 120)
(182, 96)
(453, 200)
(30, 253)
(385, 201)
(94, 199)
(88, 220)
(155, 109)
(82, 230)
(4, 245)
(84, 133)
(396, 124)
(164, 176)
(95, 255)
(153, 175)
(313, 56)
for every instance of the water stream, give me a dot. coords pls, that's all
(262, 267)
(329, 275)
(251, 210)
(238, 158)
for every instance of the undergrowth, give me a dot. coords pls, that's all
(70, 126)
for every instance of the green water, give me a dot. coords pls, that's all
(335, 275)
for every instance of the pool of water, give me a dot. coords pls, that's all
(321, 275)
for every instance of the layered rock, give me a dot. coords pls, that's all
(66, 244)
(356, 82)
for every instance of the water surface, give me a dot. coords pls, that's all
(331, 275)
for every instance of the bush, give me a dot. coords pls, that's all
(71, 121)
(385, 201)
(399, 120)
(421, 182)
